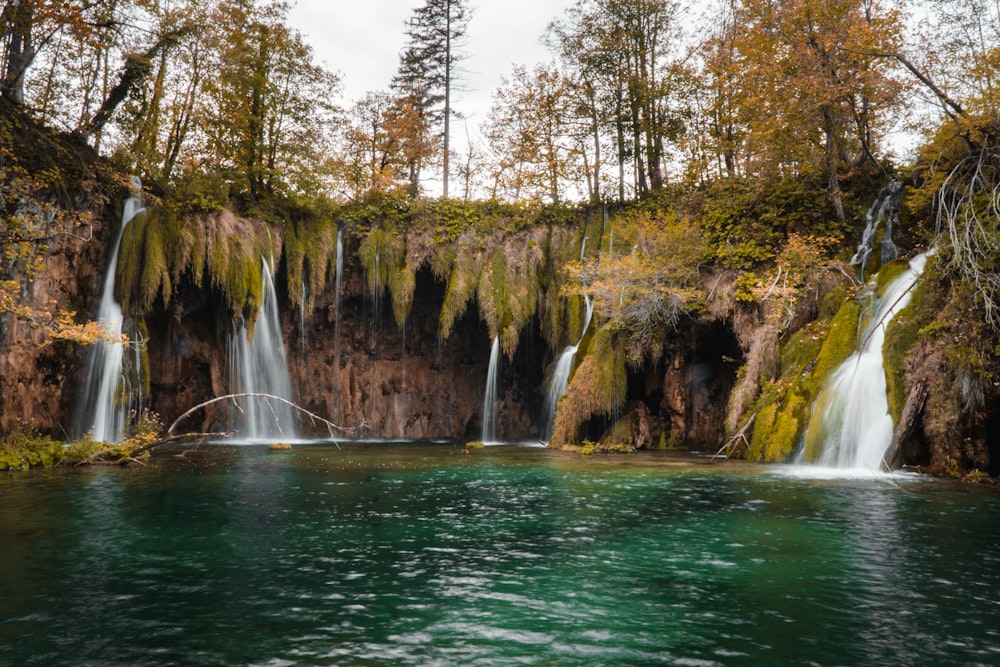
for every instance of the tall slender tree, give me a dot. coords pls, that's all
(621, 55)
(427, 72)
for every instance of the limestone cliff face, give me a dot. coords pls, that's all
(39, 377)
(376, 379)
(356, 367)
(383, 380)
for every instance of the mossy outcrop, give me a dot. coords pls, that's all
(807, 359)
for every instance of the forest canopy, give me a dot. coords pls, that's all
(225, 99)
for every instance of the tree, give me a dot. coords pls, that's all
(525, 130)
(266, 108)
(619, 55)
(646, 281)
(963, 50)
(425, 81)
(812, 92)
(368, 159)
(27, 26)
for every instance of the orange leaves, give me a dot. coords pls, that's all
(646, 276)
(813, 89)
(786, 284)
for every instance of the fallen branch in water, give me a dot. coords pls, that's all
(200, 437)
(885, 316)
(740, 437)
(269, 397)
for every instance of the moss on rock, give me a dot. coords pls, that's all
(808, 358)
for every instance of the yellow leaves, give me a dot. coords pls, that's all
(64, 328)
(801, 258)
(646, 276)
(54, 323)
(812, 84)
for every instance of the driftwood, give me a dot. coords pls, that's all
(269, 397)
(907, 421)
(882, 320)
(739, 439)
(198, 438)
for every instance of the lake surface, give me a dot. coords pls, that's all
(423, 554)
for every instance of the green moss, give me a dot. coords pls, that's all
(890, 272)
(840, 342)
(235, 270)
(808, 358)
(383, 255)
(901, 336)
(463, 280)
(563, 316)
(159, 248)
(509, 286)
(310, 254)
(788, 425)
(763, 427)
(597, 387)
(25, 448)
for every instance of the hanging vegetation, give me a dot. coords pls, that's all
(162, 248)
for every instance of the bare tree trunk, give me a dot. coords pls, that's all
(907, 421)
(19, 16)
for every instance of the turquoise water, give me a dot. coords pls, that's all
(395, 554)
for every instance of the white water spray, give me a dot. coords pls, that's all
(260, 366)
(492, 393)
(851, 414)
(112, 387)
(336, 298)
(558, 379)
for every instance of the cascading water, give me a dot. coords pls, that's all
(336, 303)
(260, 366)
(113, 386)
(492, 392)
(885, 209)
(558, 380)
(850, 419)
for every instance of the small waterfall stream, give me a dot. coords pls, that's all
(336, 298)
(851, 414)
(492, 394)
(558, 379)
(112, 387)
(260, 366)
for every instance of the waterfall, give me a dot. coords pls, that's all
(851, 414)
(558, 380)
(336, 297)
(259, 365)
(492, 393)
(112, 387)
(884, 208)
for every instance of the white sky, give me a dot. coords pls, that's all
(362, 40)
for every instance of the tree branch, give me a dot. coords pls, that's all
(270, 397)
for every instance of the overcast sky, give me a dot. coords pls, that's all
(362, 40)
